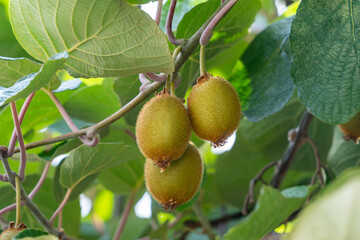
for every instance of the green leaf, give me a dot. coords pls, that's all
(333, 215)
(271, 210)
(126, 177)
(9, 46)
(268, 65)
(325, 68)
(93, 103)
(104, 38)
(226, 34)
(71, 84)
(34, 81)
(12, 69)
(84, 161)
(30, 233)
(343, 154)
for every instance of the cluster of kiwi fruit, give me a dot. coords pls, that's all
(174, 167)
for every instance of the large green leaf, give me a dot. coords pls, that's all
(335, 214)
(34, 81)
(84, 161)
(325, 46)
(226, 34)
(271, 210)
(103, 37)
(268, 66)
(343, 154)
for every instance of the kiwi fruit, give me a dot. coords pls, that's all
(214, 109)
(179, 183)
(351, 129)
(163, 129)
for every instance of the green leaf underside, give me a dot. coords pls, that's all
(263, 220)
(225, 35)
(324, 41)
(344, 154)
(34, 81)
(103, 37)
(268, 66)
(12, 69)
(335, 214)
(84, 161)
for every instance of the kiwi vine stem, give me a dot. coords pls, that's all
(20, 140)
(169, 20)
(318, 163)
(206, 35)
(23, 110)
(187, 48)
(88, 142)
(291, 150)
(158, 12)
(29, 203)
(125, 216)
(61, 206)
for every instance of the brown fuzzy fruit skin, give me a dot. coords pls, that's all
(351, 129)
(163, 129)
(10, 233)
(214, 109)
(179, 183)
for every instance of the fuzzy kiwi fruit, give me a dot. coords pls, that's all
(163, 129)
(179, 183)
(214, 109)
(351, 129)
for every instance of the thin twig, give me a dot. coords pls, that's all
(21, 141)
(291, 150)
(318, 163)
(249, 198)
(61, 206)
(23, 110)
(206, 35)
(169, 20)
(203, 220)
(88, 142)
(124, 217)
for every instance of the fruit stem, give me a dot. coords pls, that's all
(176, 52)
(18, 201)
(202, 60)
(167, 85)
(172, 87)
(203, 220)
